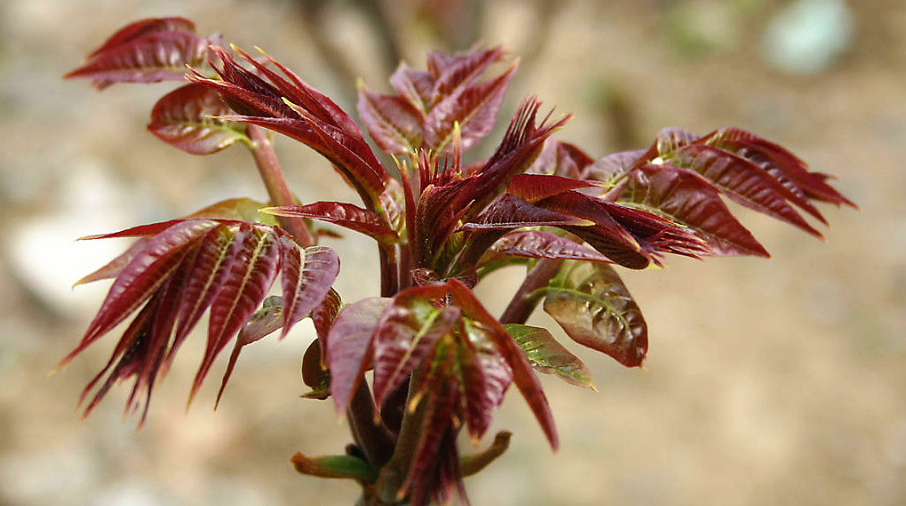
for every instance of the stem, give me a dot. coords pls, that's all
(272, 176)
(523, 303)
(393, 475)
(372, 437)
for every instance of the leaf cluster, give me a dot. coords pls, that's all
(439, 361)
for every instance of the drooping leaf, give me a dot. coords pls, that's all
(340, 213)
(393, 123)
(689, 199)
(741, 180)
(189, 118)
(540, 244)
(250, 274)
(549, 356)
(149, 58)
(781, 164)
(308, 275)
(522, 373)
(408, 330)
(266, 320)
(147, 271)
(350, 347)
(591, 303)
(175, 276)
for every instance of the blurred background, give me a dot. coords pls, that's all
(777, 381)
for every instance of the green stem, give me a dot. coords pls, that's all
(277, 190)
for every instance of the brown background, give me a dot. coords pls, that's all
(768, 382)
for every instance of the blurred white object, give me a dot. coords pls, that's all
(808, 36)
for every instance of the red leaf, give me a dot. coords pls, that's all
(611, 167)
(514, 357)
(689, 199)
(415, 86)
(350, 345)
(474, 108)
(251, 272)
(149, 58)
(741, 180)
(535, 187)
(591, 303)
(509, 212)
(781, 164)
(189, 118)
(343, 214)
(455, 72)
(308, 275)
(541, 244)
(407, 332)
(145, 273)
(562, 159)
(142, 27)
(393, 123)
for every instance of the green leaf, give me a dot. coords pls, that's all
(549, 356)
(335, 466)
(593, 306)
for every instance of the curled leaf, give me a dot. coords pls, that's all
(591, 303)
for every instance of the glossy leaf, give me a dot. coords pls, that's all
(549, 356)
(512, 355)
(784, 166)
(393, 123)
(284, 103)
(473, 108)
(540, 244)
(179, 273)
(741, 180)
(689, 199)
(142, 27)
(350, 347)
(307, 277)
(149, 58)
(189, 118)
(340, 213)
(591, 303)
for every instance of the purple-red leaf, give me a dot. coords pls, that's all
(741, 180)
(535, 187)
(540, 244)
(147, 271)
(393, 123)
(549, 356)
(308, 275)
(689, 199)
(515, 358)
(593, 306)
(474, 108)
(189, 118)
(250, 274)
(350, 347)
(142, 27)
(407, 332)
(781, 164)
(149, 58)
(342, 214)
